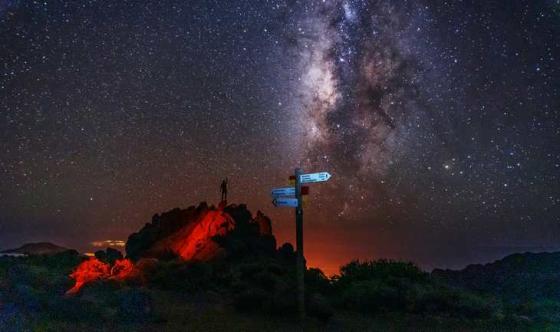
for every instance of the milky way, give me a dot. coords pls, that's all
(438, 120)
(360, 95)
(357, 90)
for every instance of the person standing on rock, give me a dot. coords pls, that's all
(224, 189)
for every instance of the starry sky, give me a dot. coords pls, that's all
(439, 121)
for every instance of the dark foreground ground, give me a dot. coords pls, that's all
(519, 293)
(173, 313)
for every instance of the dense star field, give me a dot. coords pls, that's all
(439, 121)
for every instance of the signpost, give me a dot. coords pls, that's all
(285, 202)
(287, 191)
(282, 199)
(314, 177)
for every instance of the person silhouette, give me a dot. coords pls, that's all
(224, 189)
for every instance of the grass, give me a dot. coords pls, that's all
(176, 312)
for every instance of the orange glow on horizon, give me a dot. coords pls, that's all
(328, 248)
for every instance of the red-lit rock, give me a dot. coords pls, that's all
(200, 233)
(93, 269)
(88, 271)
(191, 234)
(123, 269)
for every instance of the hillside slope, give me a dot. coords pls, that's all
(39, 248)
(516, 278)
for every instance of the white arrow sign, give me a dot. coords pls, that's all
(285, 202)
(286, 191)
(315, 177)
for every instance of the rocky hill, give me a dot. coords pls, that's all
(203, 233)
(40, 248)
(516, 278)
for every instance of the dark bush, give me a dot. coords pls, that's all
(28, 298)
(110, 255)
(370, 296)
(12, 319)
(544, 310)
(73, 309)
(251, 299)
(135, 305)
(317, 282)
(318, 306)
(441, 300)
(264, 286)
(386, 270)
(179, 275)
(19, 274)
(385, 286)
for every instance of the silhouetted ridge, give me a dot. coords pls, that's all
(39, 248)
(518, 277)
(203, 233)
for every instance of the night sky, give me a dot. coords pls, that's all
(439, 121)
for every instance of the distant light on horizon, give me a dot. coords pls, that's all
(108, 243)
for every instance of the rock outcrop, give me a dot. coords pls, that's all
(203, 233)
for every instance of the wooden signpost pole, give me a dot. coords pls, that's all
(282, 197)
(299, 250)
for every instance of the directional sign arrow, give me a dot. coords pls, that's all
(285, 202)
(315, 177)
(286, 191)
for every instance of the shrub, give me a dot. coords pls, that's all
(134, 305)
(386, 286)
(386, 270)
(251, 299)
(445, 301)
(318, 306)
(317, 282)
(109, 256)
(371, 296)
(263, 286)
(543, 310)
(179, 275)
(12, 319)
